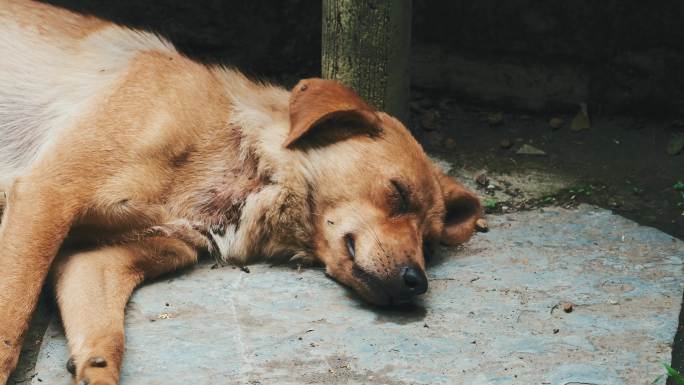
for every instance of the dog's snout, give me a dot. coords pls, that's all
(415, 280)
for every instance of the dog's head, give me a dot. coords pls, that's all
(379, 203)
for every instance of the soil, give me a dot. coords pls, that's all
(620, 163)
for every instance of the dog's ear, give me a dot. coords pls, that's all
(463, 209)
(316, 102)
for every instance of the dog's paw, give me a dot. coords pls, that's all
(94, 371)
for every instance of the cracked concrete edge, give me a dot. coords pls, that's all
(531, 184)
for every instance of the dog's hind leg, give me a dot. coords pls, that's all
(92, 290)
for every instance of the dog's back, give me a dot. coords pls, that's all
(53, 65)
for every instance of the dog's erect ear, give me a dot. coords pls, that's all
(462, 210)
(314, 102)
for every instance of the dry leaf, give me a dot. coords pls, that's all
(581, 120)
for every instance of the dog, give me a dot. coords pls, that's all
(122, 160)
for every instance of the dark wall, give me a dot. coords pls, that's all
(587, 29)
(527, 54)
(622, 53)
(263, 38)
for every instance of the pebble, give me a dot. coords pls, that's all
(556, 122)
(527, 149)
(481, 225)
(567, 307)
(482, 179)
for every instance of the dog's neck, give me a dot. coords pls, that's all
(251, 192)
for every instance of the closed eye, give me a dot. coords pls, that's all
(401, 198)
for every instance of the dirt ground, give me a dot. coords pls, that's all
(620, 163)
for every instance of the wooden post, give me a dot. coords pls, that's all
(366, 45)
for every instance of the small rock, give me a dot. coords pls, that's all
(567, 307)
(556, 122)
(495, 118)
(481, 225)
(505, 144)
(430, 120)
(482, 179)
(527, 149)
(244, 269)
(555, 331)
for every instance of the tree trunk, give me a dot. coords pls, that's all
(366, 46)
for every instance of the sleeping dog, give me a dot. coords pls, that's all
(121, 160)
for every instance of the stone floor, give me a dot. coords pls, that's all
(492, 316)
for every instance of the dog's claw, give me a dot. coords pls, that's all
(97, 362)
(71, 366)
(218, 229)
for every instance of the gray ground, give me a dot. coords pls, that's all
(494, 315)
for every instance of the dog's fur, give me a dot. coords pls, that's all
(122, 160)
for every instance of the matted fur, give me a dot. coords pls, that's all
(122, 160)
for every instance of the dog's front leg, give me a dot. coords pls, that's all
(36, 220)
(92, 289)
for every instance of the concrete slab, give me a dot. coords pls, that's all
(491, 316)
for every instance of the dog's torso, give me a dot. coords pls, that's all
(192, 151)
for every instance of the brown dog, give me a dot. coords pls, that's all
(122, 159)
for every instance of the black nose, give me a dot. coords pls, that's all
(415, 280)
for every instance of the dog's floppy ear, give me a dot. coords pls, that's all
(462, 210)
(314, 102)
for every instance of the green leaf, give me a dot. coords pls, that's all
(679, 185)
(672, 372)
